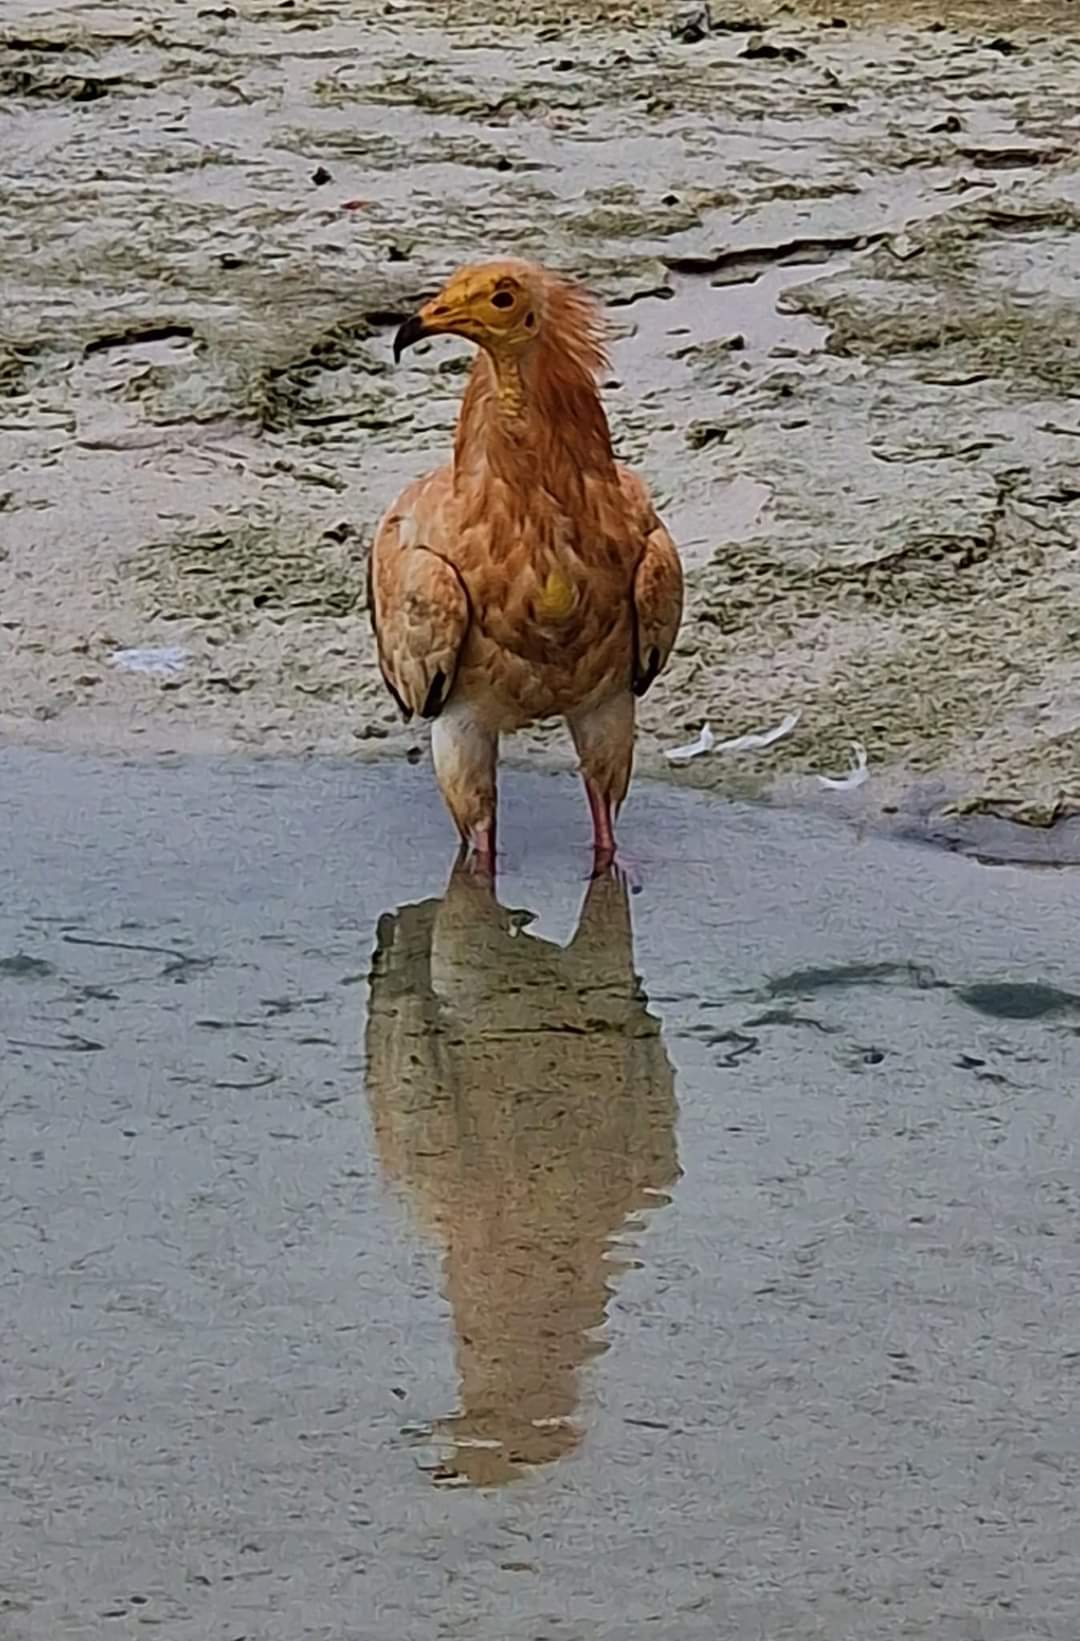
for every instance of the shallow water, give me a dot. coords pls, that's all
(373, 1266)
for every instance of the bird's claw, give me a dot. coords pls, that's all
(615, 868)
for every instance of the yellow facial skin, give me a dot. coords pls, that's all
(492, 304)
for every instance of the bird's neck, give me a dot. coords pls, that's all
(532, 421)
(509, 388)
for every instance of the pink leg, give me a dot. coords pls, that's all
(604, 738)
(603, 827)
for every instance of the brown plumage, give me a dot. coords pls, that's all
(530, 577)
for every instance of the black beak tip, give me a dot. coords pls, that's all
(407, 335)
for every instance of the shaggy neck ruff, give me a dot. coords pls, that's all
(533, 418)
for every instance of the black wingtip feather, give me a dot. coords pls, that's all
(646, 676)
(406, 711)
(435, 699)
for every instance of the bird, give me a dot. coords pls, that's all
(530, 576)
(523, 1101)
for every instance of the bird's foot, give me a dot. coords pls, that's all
(608, 858)
(617, 865)
(620, 867)
(605, 861)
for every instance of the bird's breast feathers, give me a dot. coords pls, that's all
(548, 602)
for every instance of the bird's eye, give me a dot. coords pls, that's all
(502, 299)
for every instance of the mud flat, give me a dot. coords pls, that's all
(842, 260)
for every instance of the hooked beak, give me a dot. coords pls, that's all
(409, 334)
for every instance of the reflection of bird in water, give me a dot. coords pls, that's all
(521, 1092)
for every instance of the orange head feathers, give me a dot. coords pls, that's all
(506, 307)
(531, 410)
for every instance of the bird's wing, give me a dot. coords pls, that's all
(417, 600)
(657, 589)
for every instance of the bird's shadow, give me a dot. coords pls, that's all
(521, 1094)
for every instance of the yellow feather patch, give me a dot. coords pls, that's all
(558, 598)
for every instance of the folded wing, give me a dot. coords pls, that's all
(657, 589)
(420, 612)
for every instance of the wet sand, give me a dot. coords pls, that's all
(373, 1266)
(842, 265)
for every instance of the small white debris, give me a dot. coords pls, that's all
(707, 742)
(704, 743)
(760, 737)
(159, 663)
(858, 774)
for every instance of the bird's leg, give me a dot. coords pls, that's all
(600, 808)
(604, 738)
(465, 753)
